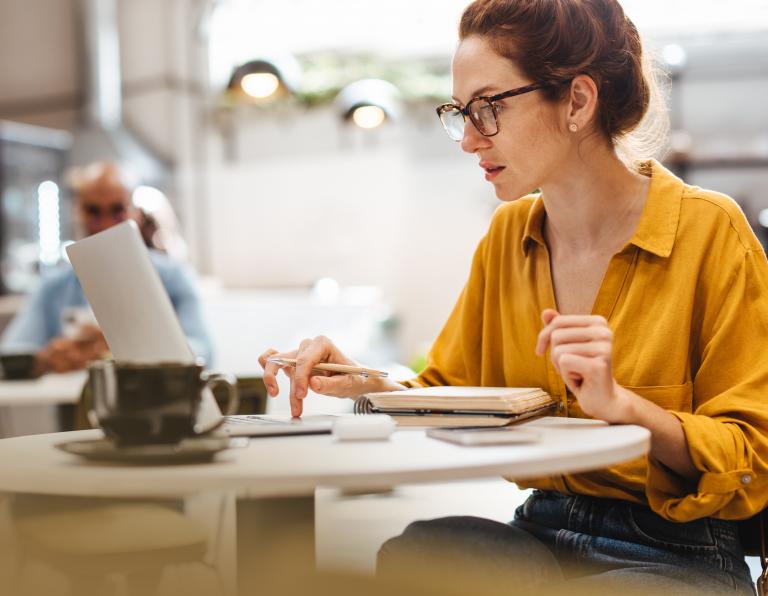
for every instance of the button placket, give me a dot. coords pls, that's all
(547, 299)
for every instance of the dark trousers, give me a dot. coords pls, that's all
(570, 545)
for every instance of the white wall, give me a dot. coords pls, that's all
(39, 71)
(402, 208)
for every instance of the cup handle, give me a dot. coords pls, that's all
(233, 398)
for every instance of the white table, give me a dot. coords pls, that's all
(275, 478)
(50, 389)
(31, 406)
(295, 466)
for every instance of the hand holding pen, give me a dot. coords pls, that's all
(319, 365)
(324, 367)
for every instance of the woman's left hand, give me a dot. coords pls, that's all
(580, 348)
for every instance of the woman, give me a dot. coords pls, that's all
(649, 296)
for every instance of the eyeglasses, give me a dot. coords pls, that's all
(482, 111)
(115, 211)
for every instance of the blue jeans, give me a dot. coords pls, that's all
(563, 544)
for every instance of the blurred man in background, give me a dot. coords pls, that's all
(56, 323)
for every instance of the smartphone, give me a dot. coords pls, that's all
(485, 435)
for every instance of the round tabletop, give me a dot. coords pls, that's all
(296, 465)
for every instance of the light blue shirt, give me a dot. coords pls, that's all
(39, 320)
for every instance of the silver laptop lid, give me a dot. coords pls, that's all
(128, 298)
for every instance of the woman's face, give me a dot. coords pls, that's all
(532, 138)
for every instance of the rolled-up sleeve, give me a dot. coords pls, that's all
(727, 432)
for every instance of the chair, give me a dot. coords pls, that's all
(88, 543)
(253, 395)
(753, 533)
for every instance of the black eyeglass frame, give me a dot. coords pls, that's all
(491, 100)
(115, 210)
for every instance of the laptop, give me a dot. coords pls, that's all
(139, 323)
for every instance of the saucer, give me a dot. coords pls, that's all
(191, 450)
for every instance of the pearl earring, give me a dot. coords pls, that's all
(573, 127)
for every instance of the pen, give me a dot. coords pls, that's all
(337, 368)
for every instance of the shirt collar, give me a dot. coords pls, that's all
(658, 224)
(534, 225)
(657, 228)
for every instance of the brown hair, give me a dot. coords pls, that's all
(556, 40)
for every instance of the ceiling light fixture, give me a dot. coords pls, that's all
(369, 103)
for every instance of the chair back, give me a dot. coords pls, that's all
(753, 533)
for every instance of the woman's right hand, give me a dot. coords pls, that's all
(304, 377)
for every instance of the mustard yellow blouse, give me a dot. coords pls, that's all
(687, 300)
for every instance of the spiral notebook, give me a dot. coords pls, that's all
(458, 406)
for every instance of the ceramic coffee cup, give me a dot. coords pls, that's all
(153, 403)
